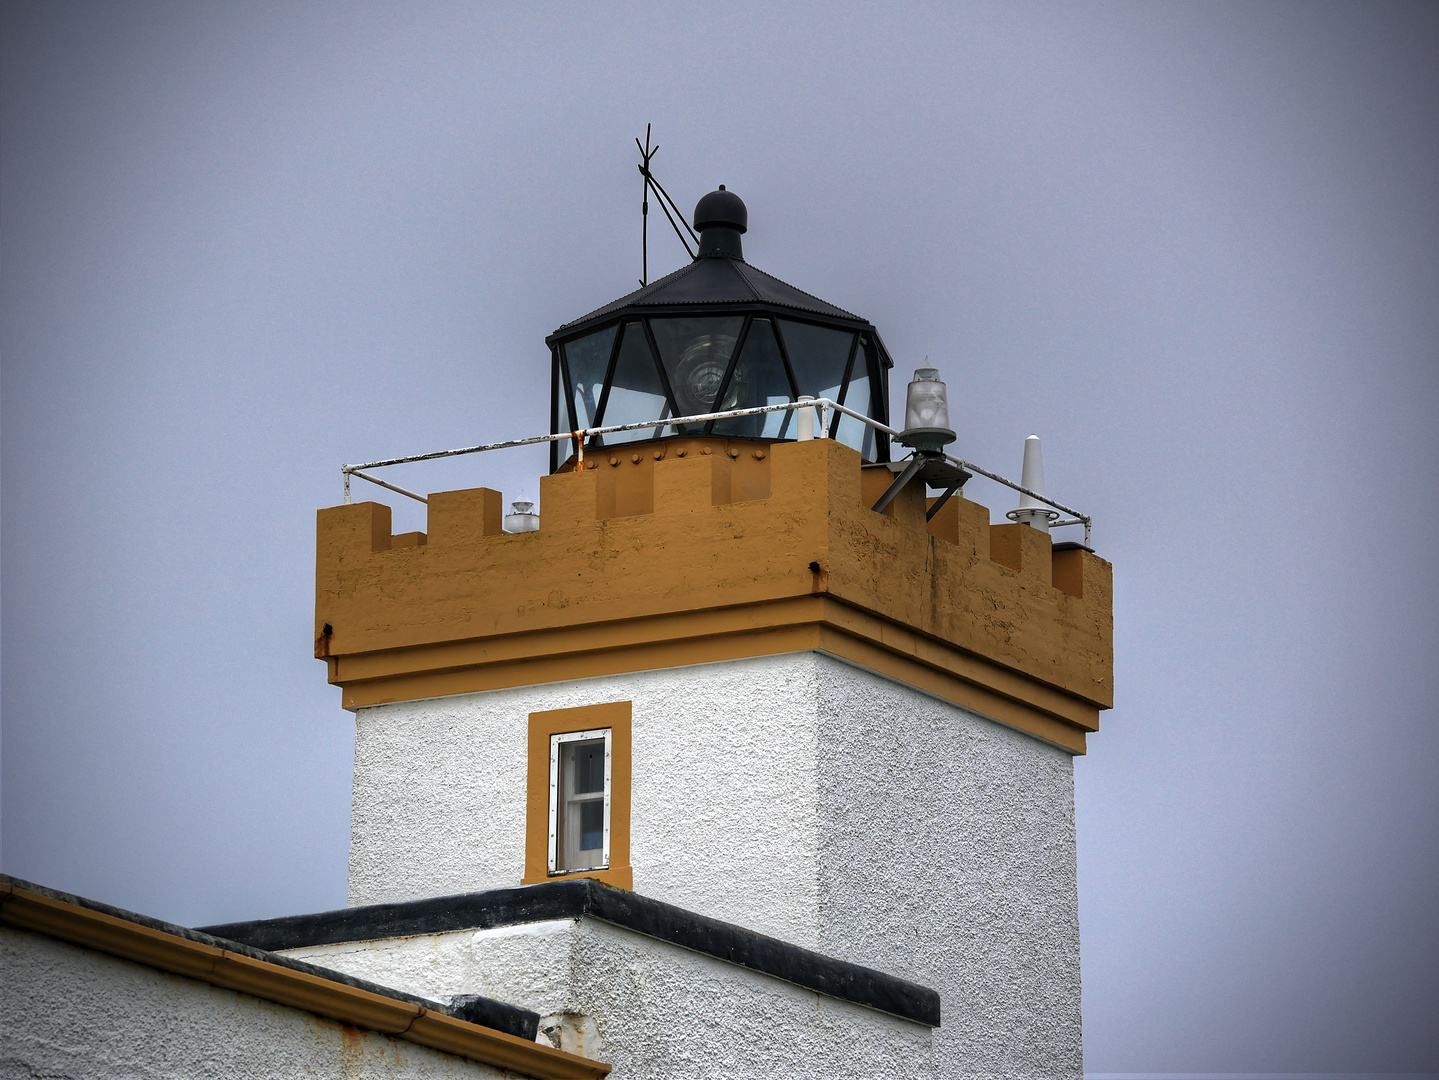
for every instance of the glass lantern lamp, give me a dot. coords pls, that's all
(926, 413)
(927, 433)
(715, 335)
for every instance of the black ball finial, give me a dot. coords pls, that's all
(721, 218)
(722, 208)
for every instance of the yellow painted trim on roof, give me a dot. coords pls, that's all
(286, 986)
(794, 624)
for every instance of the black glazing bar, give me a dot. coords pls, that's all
(879, 390)
(868, 439)
(564, 366)
(788, 374)
(675, 206)
(610, 365)
(844, 386)
(649, 179)
(674, 404)
(562, 359)
(558, 386)
(729, 370)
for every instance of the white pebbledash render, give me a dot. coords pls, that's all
(795, 795)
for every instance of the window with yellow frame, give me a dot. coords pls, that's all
(577, 807)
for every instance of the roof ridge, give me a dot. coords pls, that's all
(574, 898)
(636, 296)
(802, 292)
(739, 268)
(743, 284)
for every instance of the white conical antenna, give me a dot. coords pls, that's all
(1031, 511)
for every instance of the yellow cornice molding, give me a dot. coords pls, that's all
(794, 624)
(286, 986)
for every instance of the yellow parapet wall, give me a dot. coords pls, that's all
(688, 551)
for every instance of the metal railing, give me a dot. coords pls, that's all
(823, 405)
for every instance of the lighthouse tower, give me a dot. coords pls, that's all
(720, 771)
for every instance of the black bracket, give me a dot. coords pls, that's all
(935, 471)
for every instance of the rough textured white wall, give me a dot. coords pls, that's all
(948, 858)
(795, 795)
(69, 1012)
(658, 1010)
(723, 803)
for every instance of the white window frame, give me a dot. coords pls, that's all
(555, 743)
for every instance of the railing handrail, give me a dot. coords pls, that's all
(582, 434)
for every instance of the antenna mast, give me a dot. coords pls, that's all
(645, 154)
(667, 204)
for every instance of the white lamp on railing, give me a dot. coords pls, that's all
(926, 413)
(1031, 511)
(927, 433)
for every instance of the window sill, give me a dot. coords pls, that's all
(621, 877)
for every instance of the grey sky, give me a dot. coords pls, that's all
(1195, 247)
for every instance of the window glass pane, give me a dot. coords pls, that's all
(696, 353)
(851, 432)
(818, 355)
(592, 825)
(587, 358)
(759, 379)
(564, 450)
(559, 413)
(580, 813)
(636, 393)
(589, 761)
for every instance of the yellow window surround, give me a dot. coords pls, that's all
(616, 716)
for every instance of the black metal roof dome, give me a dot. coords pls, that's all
(722, 208)
(715, 335)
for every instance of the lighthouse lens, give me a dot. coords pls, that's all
(699, 373)
(696, 356)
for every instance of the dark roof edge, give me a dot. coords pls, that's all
(751, 277)
(718, 307)
(577, 897)
(510, 1019)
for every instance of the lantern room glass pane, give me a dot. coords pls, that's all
(559, 413)
(696, 354)
(635, 392)
(850, 431)
(759, 379)
(587, 358)
(817, 355)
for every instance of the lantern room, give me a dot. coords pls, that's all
(715, 336)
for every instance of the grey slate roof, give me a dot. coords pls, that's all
(717, 280)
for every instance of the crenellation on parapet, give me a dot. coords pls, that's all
(644, 544)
